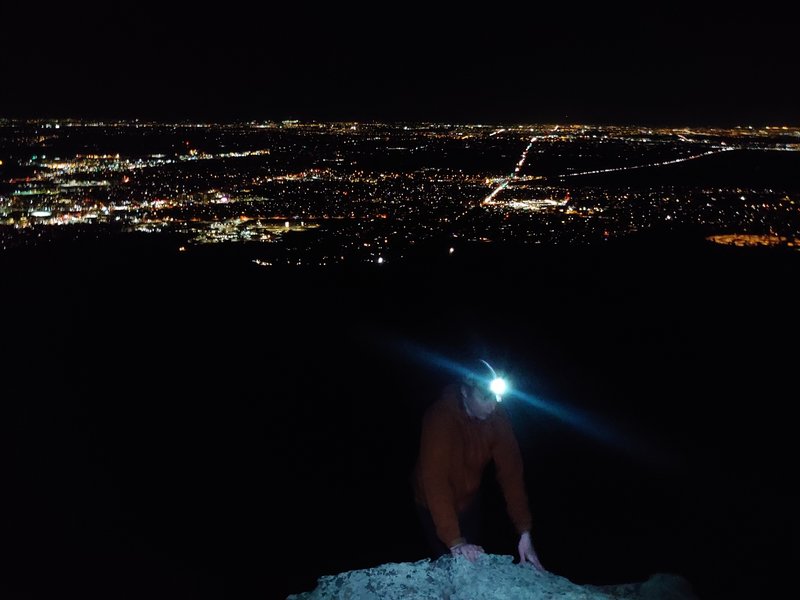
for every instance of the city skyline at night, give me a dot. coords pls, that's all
(317, 193)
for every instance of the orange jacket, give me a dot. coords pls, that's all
(454, 451)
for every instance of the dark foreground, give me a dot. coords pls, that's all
(194, 426)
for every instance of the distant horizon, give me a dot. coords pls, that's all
(242, 120)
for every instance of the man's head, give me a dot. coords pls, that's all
(481, 389)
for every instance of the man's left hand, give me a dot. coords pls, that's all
(527, 555)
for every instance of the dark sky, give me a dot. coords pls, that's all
(497, 62)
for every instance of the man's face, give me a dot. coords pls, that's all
(480, 402)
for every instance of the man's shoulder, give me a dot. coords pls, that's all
(446, 403)
(500, 422)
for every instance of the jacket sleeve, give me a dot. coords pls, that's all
(509, 471)
(438, 434)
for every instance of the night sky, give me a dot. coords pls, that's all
(663, 64)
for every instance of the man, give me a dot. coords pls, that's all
(462, 433)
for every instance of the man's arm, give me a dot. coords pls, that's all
(509, 472)
(438, 435)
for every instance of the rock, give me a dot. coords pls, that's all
(491, 577)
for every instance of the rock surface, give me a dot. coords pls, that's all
(491, 577)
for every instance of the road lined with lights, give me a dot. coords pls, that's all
(520, 163)
(662, 163)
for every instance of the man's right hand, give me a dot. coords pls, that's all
(469, 551)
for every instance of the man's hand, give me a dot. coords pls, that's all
(470, 551)
(527, 555)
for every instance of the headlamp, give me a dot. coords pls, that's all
(498, 387)
(488, 379)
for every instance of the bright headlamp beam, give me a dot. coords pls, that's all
(590, 425)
